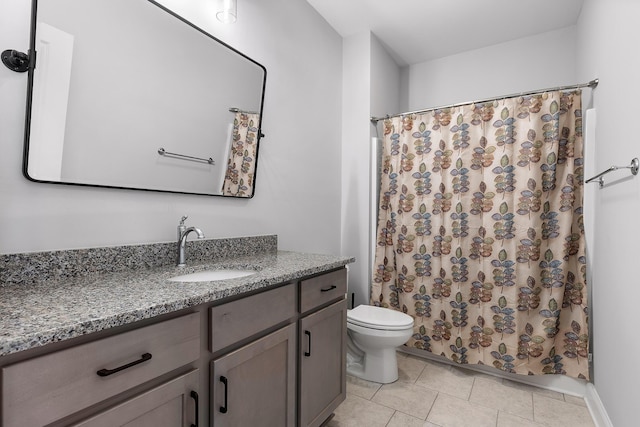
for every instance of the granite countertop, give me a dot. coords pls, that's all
(42, 313)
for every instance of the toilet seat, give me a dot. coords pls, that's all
(370, 316)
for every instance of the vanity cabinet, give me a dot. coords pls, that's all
(272, 357)
(322, 336)
(45, 389)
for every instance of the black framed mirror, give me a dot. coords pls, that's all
(127, 94)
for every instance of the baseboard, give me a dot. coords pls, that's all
(596, 408)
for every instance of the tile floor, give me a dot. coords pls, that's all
(430, 394)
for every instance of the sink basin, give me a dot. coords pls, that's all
(213, 275)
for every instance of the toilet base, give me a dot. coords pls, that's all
(379, 365)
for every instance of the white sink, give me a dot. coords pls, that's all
(213, 275)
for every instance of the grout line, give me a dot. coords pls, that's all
(392, 415)
(471, 391)
(432, 405)
(533, 408)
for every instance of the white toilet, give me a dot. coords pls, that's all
(373, 333)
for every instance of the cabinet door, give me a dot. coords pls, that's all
(255, 385)
(323, 339)
(174, 403)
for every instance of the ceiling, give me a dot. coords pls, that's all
(415, 31)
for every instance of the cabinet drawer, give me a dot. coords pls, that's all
(322, 289)
(44, 389)
(240, 319)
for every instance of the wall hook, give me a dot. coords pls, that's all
(15, 61)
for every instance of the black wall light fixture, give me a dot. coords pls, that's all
(15, 61)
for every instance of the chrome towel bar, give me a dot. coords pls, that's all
(162, 152)
(635, 164)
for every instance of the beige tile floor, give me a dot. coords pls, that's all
(430, 394)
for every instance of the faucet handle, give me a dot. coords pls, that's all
(184, 218)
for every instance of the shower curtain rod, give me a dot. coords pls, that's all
(592, 84)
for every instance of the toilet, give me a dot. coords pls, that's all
(373, 333)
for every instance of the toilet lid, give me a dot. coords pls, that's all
(370, 316)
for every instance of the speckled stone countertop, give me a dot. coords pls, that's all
(57, 310)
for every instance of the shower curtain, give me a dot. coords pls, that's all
(480, 233)
(238, 180)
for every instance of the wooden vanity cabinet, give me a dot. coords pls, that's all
(272, 358)
(322, 336)
(46, 389)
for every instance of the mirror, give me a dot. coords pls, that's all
(127, 94)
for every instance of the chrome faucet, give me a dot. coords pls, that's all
(182, 241)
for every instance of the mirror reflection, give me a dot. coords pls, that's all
(126, 94)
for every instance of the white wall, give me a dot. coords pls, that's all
(356, 93)
(608, 33)
(370, 86)
(385, 81)
(298, 179)
(529, 63)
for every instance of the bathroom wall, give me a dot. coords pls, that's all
(370, 84)
(607, 45)
(298, 179)
(529, 63)
(356, 93)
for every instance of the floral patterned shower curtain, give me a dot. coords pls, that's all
(480, 233)
(238, 180)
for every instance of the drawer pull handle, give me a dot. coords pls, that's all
(194, 396)
(308, 353)
(225, 407)
(330, 288)
(107, 372)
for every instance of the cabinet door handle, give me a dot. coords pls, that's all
(194, 396)
(107, 372)
(308, 353)
(330, 288)
(225, 407)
